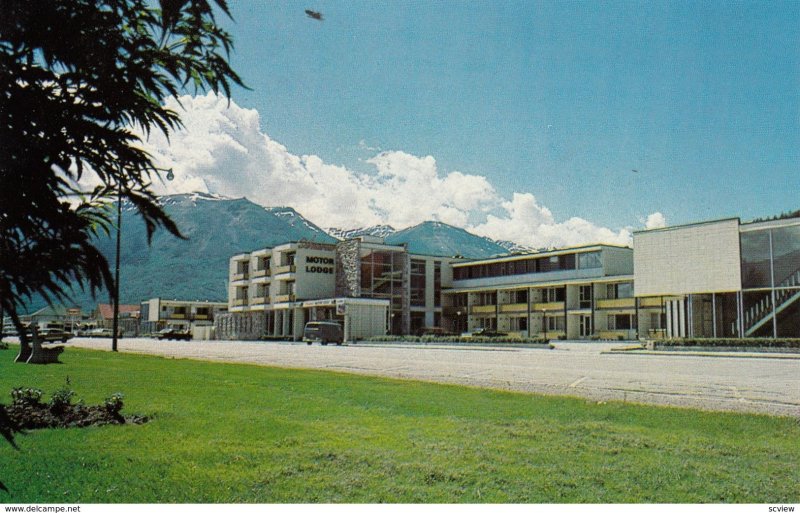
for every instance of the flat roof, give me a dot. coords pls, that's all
(536, 254)
(678, 226)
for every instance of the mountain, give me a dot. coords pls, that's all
(379, 230)
(440, 239)
(217, 228)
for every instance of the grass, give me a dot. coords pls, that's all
(240, 433)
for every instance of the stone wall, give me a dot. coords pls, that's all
(240, 326)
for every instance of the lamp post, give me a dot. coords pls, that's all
(115, 323)
(544, 323)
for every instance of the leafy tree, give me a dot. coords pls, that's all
(78, 80)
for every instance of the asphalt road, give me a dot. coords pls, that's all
(748, 384)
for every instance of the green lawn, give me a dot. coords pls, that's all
(240, 433)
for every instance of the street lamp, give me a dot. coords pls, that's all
(115, 323)
(544, 323)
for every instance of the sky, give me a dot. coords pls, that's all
(546, 123)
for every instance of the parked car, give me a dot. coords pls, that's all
(323, 332)
(100, 332)
(173, 334)
(54, 335)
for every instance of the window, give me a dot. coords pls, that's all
(555, 323)
(519, 296)
(619, 290)
(620, 322)
(553, 295)
(585, 296)
(437, 284)
(417, 288)
(589, 260)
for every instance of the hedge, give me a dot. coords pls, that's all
(786, 343)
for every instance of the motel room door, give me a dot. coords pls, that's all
(586, 326)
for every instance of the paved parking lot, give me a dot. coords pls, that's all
(751, 384)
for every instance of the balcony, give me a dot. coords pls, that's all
(240, 276)
(174, 315)
(549, 307)
(260, 273)
(650, 302)
(283, 269)
(202, 317)
(514, 308)
(284, 298)
(483, 309)
(261, 300)
(240, 302)
(626, 302)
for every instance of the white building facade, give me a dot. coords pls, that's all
(722, 278)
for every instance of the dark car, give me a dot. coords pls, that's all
(323, 332)
(173, 334)
(488, 333)
(54, 335)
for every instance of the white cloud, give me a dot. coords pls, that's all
(655, 220)
(222, 150)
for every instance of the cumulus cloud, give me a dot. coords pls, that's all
(222, 150)
(655, 220)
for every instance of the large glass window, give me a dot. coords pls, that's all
(437, 284)
(786, 255)
(755, 259)
(589, 260)
(417, 282)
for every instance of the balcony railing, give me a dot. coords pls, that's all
(261, 273)
(649, 302)
(202, 317)
(514, 308)
(240, 302)
(174, 315)
(284, 298)
(283, 269)
(626, 302)
(483, 309)
(260, 300)
(550, 307)
(241, 276)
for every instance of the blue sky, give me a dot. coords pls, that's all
(559, 99)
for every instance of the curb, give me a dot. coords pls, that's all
(773, 356)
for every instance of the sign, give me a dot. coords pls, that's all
(319, 264)
(73, 311)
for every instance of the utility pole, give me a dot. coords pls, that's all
(115, 323)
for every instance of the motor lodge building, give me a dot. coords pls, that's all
(714, 279)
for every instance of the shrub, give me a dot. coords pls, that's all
(3, 345)
(26, 396)
(113, 404)
(784, 343)
(61, 400)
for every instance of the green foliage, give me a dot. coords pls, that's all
(225, 433)
(783, 343)
(77, 78)
(61, 399)
(26, 396)
(114, 403)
